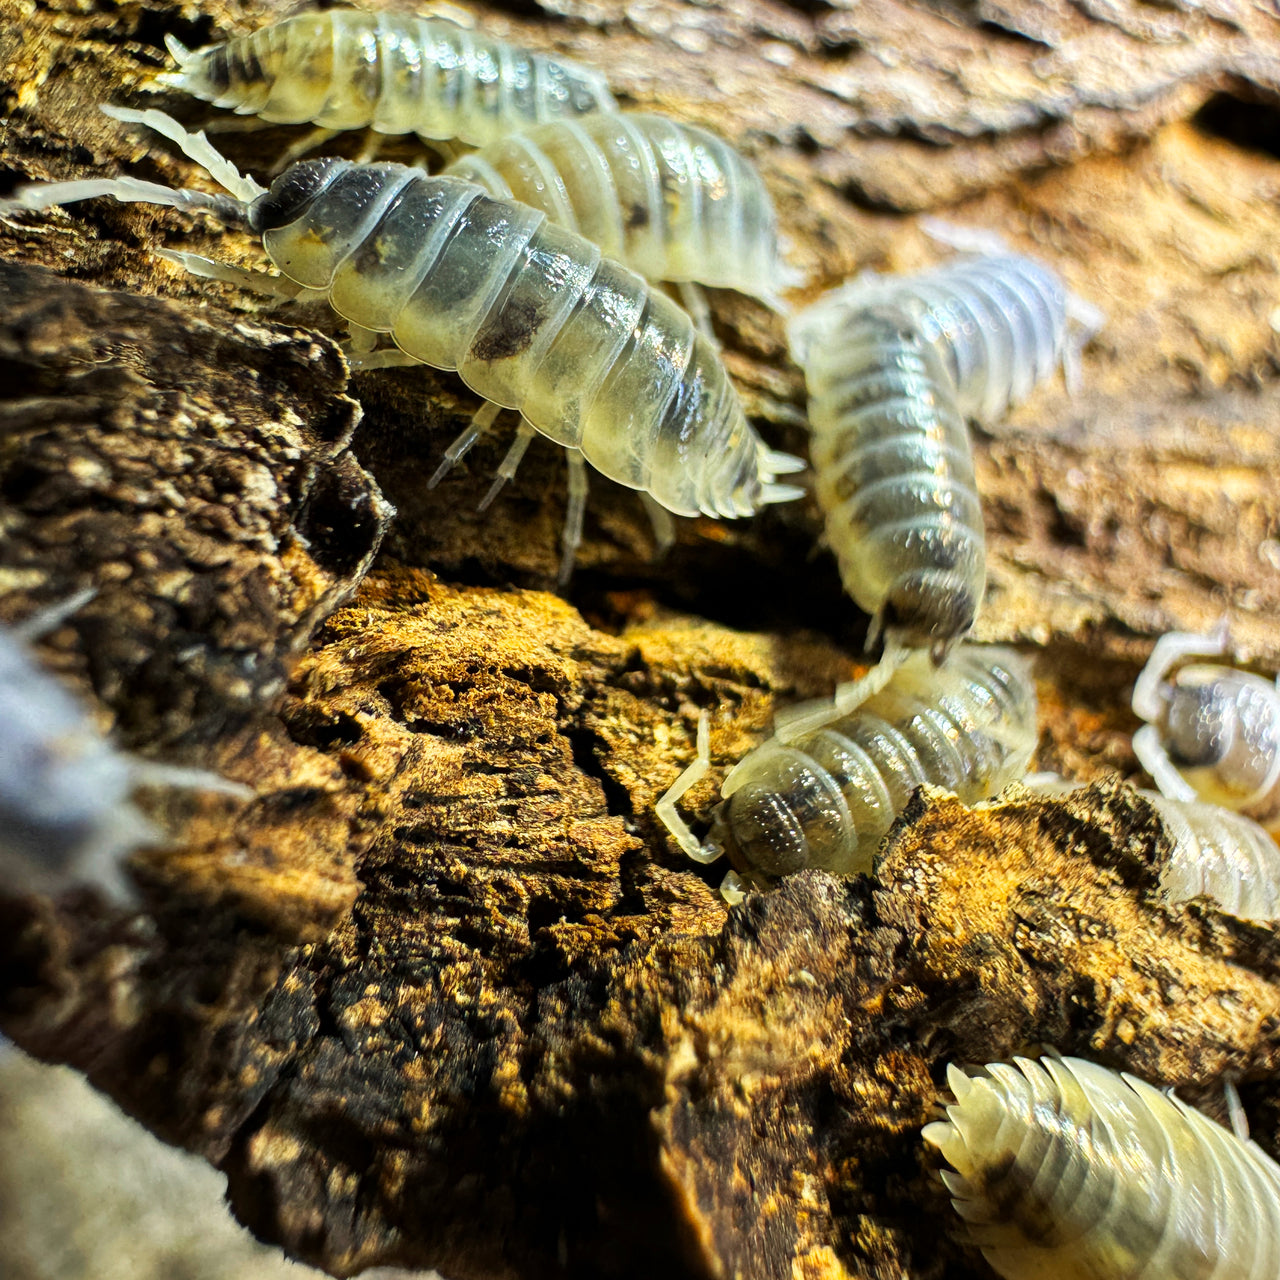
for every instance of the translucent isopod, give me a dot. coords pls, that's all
(66, 816)
(393, 72)
(825, 793)
(1001, 322)
(1223, 855)
(532, 317)
(671, 201)
(893, 473)
(1212, 732)
(1067, 1171)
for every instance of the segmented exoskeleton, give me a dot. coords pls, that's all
(532, 317)
(65, 813)
(1001, 322)
(1224, 855)
(825, 796)
(1067, 1171)
(893, 472)
(392, 72)
(671, 201)
(1212, 732)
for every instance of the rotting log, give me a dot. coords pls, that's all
(444, 995)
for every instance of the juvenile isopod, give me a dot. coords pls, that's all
(669, 200)
(532, 317)
(393, 72)
(65, 811)
(1001, 322)
(824, 797)
(893, 472)
(1212, 732)
(1067, 1171)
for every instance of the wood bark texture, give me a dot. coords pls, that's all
(444, 995)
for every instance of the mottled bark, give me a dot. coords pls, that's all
(444, 994)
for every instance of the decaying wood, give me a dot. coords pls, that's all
(444, 995)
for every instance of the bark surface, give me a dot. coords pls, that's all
(444, 994)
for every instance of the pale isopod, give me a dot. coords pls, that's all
(65, 813)
(393, 72)
(893, 473)
(1001, 322)
(1067, 1171)
(1221, 854)
(671, 201)
(1212, 732)
(824, 797)
(532, 317)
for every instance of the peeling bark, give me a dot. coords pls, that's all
(444, 995)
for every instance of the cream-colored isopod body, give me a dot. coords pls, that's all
(672, 201)
(1065, 1170)
(392, 72)
(893, 472)
(532, 316)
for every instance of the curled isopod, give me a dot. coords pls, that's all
(65, 811)
(532, 317)
(825, 794)
(1001, 322)
(671, 201)
(393, 72)
(893, 473)
(1212, 732)
(1065, 1170)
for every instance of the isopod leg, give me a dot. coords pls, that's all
(510, 464)
(386, 358)
(571, 538)
(152, 773)
(732, 889)
(478, 425)
(688, 779)
(1147, 702)
(52, 616)
(664, 525)
(1235, 1109)
(694, 301)
(1155, 760)
(362, 341)
(296, 150)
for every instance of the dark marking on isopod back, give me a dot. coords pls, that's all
(508, 332)
(637, 217)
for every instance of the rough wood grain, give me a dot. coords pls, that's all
(444, 995)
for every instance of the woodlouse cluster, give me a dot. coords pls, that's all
(517, 268)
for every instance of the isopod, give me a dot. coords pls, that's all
(825, 796)
(1223, 855)
(669, 200)
(893, 473)
(1212, 732)
(393, 72)
(65, 811)
(1065, 1170)
(532, 317)
(1001, 322)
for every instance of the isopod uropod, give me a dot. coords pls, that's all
(532, 317)
(65, 813)
(392, 72)
(669, 200)
(1067, 1171)
(825, 797)
(893, 472)
(1212, 732)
